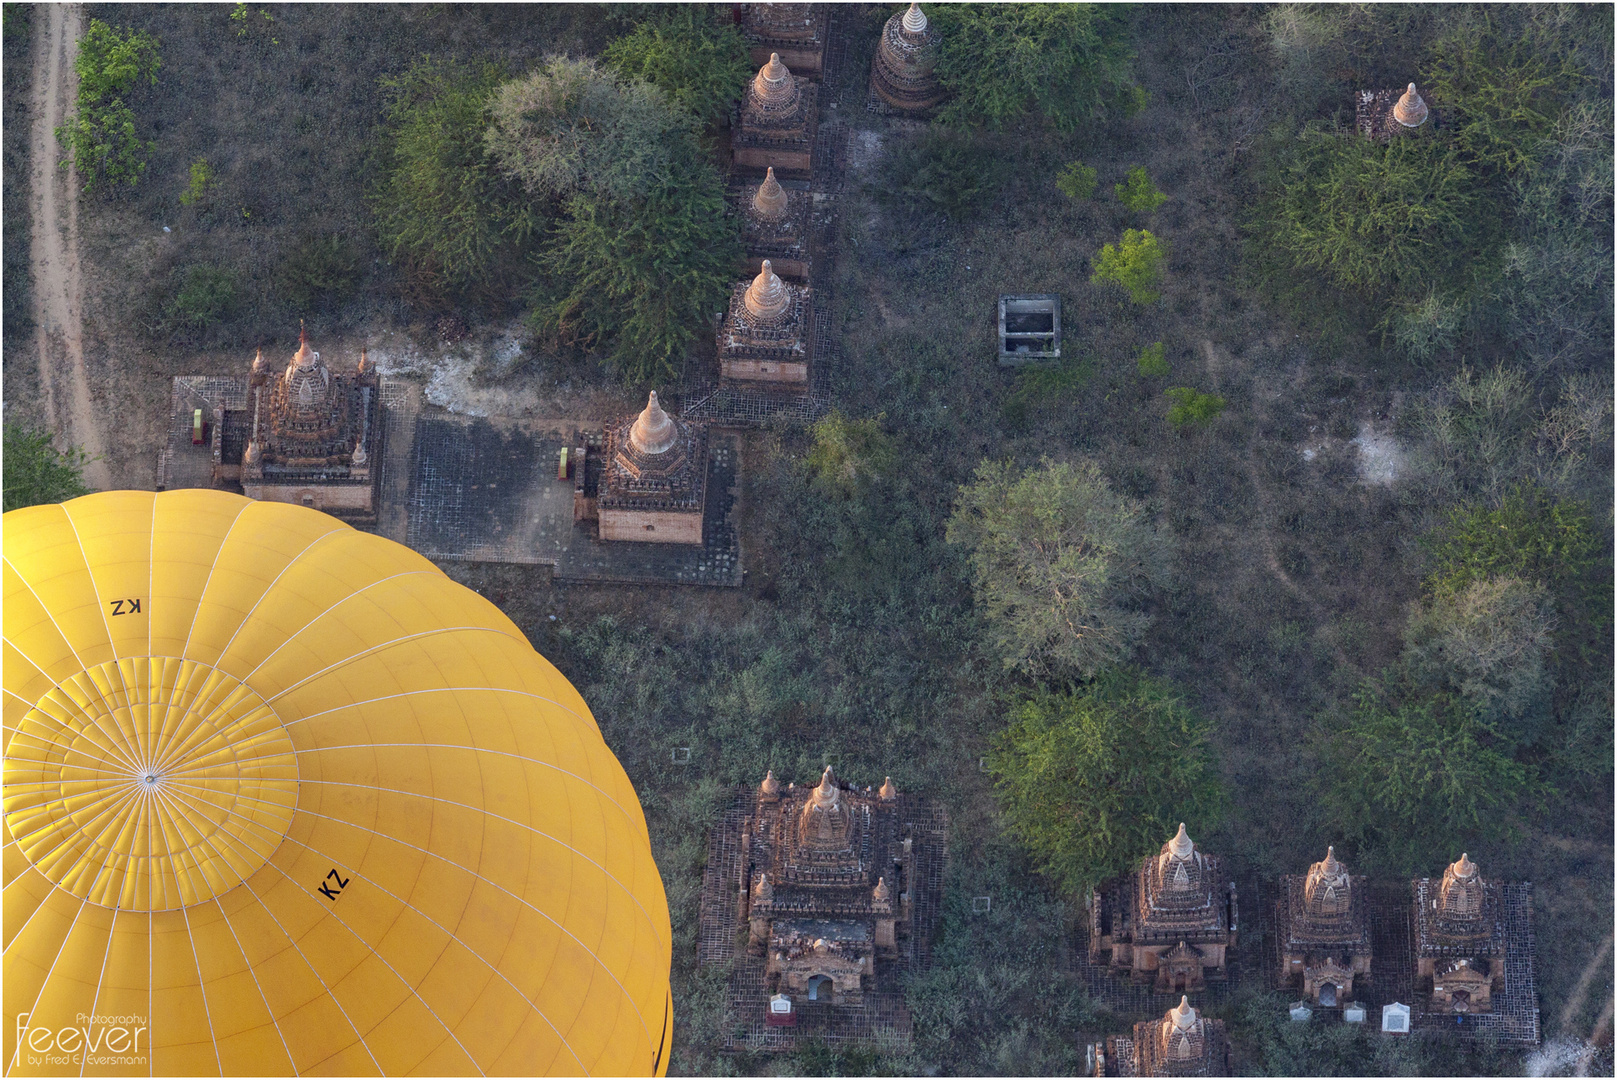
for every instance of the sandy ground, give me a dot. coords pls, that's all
(54, 254)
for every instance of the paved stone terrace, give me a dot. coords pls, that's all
(721, 939)
(486, 491)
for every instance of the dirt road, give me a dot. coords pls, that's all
(54, 254)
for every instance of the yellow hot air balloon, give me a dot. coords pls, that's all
(280, 797)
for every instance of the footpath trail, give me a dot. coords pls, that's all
(54, 247)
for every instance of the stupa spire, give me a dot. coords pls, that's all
(653, 431)
(915, 19)
(767, 297)
(770, 199)
(1411, 110)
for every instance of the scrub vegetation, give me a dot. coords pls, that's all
(1326, 467)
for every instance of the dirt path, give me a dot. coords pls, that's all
(1580, 992)
(54, 248)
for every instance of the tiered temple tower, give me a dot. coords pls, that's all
(1181, 1043)
(1459, 939)
(827, 886)
(1170, 923)
(313, 434)
(1324, 929)
(777, 122)
(654, 479)
(792, 31)
(901, 73)
(1384, 115)
(774, 226)
(768, 333)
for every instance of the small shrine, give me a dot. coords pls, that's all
(826, 891)
(774, 226)
(1460, 939)
(768, 333)
(1323, 921)
(313, 434)
(651, 482)
(777, 122)
(901, 73)
(1171, 923)
(1383, 115)
(794, 32)
(1181, 1043)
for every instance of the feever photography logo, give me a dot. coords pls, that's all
(90, 1040)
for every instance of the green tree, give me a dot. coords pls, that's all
(698, 61)
(101, 133)
(206, 296)
(1192, 408)
(1530, 535)
(1135, 263)
(1077, 180)
(202, 183)
(36, 472)
(1093, 779)
(1410, 774)
(1376, 218)
(319, 269)
(639, 276)
(848, 454)
(1153, 361)
(954, 172)
(1488, 642)
(1001, 63)
(571, 128)
(1138, 193)
(442, 213)
(1059, 563)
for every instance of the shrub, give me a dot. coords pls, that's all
(1414, 777)
(101, 133)
(1134, 263)
(36, 472)
(441, 213)
(1059, 563)
(699, 62)
(201, 185)
(1374, 218)
(321, 269)
(1192, 408)
(640, 276)
(1077, 180)
(1531, 536)
(951, 171)
(1138, 192)
(848, 454)
(1069, 63)
(571, 128)
(1488, 643)
(1153, 361)
(1094, 779)
(1427, 326)
(206, 296)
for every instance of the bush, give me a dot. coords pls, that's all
(201, 185)
(640, 276)
(1531, 536)
(1077, 180)
(1068, 63)
(1488, 642)
(1138, 192)
(1095, 779)
(1059, 563)
(570, 128)
(206, 296)
(320, 269)
(698, 61)
(1192, 408)
(101, 134)
(951, 171)
(1153, 361)
(441, 212)
(848, 454)
(1134, 263)
(36, 472)
(1427, 326)
(1376, 219)
(1412, 774)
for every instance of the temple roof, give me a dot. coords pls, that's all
(770, 200)
(767, 296)
(1410, 110)
(654, 431)
(1327, 889)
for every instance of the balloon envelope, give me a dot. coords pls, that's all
(280, 797)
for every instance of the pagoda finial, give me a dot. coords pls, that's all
(767, 297)
(1181, 845)
(770, 786)
(888, 791)
(303, 338)
(915, 19)
(653, 431)
(1183, 1015)
(770, 199)
(1410, 111)
(882, 892)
